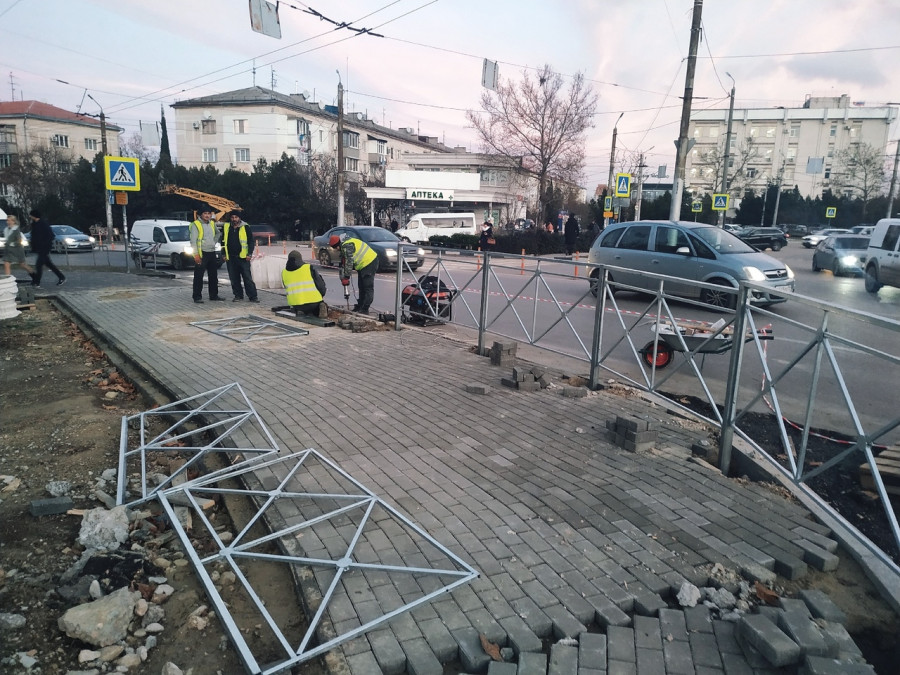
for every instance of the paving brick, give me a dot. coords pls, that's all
(677, 655)
(575, 604)
(650, 660)
(592, 648)
(705, 650)
(565, 625)
(533, 616)
(621, 668)
(817, 538)
(647, 633)
(822, 607)
(563, 660)
(804, 632)
(607, 613)
(672, 624)
(532, 663)
(420, 660)
(388, 653)
(520, 636)
(648, 604)
(769, 639)
(50, 506)
(472, 656)
(500, 668)
(838, 640)
(819, 665)
(818, 557)
(620, 644)
(439, 639)
(794, 605)
(364, 664)
(477, 389)
(698, 619)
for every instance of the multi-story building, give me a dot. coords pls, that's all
(30, 126)
(790, 146)
(235, 129)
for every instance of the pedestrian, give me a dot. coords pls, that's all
(486, 241)
(14, 250)
(395, 226)
(357, 255)
(238, 242)
(204, 237)
(305, 287)
(41, 240)
(549, 227)
(571, 230)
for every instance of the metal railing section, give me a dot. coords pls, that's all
(249, 328)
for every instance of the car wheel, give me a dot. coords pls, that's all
(177, 261)
(658, 354)
(836, 268)
(721, 299)
(138, 261)
(324, 258)
(872, 283)
(815, 264)
(776, 246)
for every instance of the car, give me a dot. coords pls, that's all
(26, 241)
(70, 239)
(264, 234)
(728, 227)
(812, 240)
(883, 256)
(863, 229)
(841, 253)
(763, 237)
(691, 252)
(383, 242)
(165, 242)
(794, 229)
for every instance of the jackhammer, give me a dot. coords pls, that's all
(345, 282)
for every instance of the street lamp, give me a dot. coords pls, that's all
(612, 164)
(109, 221)
(340, 149)
(727, 144)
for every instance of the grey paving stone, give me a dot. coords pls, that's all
(621, 667)
(532, 663)
(564, 624)
(471, 654)
(388, 653)
(500, 668)
(822, 607)
(563, 660)
(818, 665)
(678, 659)
(420, 660)
(520, 637)
(818, 557)
(533, 616)
(705, 650)
(592, 649)
(650, 660)
(698, 619)
(771, 641)
(620, 644)
(50, 506)
(802, 630)
(647, 633)
(364, 664)
(672, 624)
(648, 604)
(838, 639)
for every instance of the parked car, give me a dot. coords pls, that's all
(691, 252)
(883, 255)
(794, 229)
(264, 234)
(383, 242)
(812, 240)
(841, 253)
(863, 229)
(764, 237)
(734, 229)
(70, 239)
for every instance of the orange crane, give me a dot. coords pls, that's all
(221, 204)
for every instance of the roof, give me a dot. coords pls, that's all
(45, 111)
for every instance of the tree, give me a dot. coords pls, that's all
(858, 170)
(538, 124)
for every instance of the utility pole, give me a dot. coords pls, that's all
(682, 145)
(340, 157)
(612, 166)
(893, 191)
(727, 147)
(640, 187)
(778, 194)
(109, 216)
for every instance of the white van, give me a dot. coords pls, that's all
(164, 242)
(424, 225)
(883, 255)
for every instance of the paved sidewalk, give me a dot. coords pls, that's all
(573, 536)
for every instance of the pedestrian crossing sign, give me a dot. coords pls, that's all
(720, 202)
(831, 212)
(623, 185)
(696, 207)
(607, 203)
(122, 173)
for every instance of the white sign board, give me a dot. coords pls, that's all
(264, 18)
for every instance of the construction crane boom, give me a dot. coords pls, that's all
(221, 204)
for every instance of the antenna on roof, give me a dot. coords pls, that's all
(82, 102)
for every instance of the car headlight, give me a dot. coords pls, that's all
(68, 241)
(790, 272)
(849, 260)
(188, 250)
(92, 240)
(754, 274)
(390, 252)
(420, 251)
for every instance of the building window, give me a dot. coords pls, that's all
(696, 132)
(4, 190)
(241, 126)
(381, 147)
(90, 143)
(302, 128)
(321, 135)
(767, 155)
(351, 164)
(210, 155)
(754, 132)
(827, 172)
(59, 140)
(7, 133)
(790, 155)
(751, 172)
(693, 173)
(208, 127)
(833, 131)
(714, 132)
(854, 132)
(351, 139)
(5, 161)
(794, 131)
(830, 151)
(770, 132)
(242, 154)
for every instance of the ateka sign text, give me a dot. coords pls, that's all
(429, 195)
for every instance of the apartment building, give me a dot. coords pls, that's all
(796, 146)
(235, 129)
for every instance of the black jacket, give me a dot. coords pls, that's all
(41, 236)
(571, 229)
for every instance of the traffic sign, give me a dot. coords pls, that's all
(831, 212)
(623, 185)
(607, 203)
(122, 173)
(696, 207)
(720, 202)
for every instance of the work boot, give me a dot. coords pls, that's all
(323, 310)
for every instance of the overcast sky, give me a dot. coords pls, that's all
(425, 70)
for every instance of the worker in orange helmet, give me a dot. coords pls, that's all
(357, 255)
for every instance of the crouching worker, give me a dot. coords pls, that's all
(305, 287)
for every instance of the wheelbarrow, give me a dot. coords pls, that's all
(695, 337)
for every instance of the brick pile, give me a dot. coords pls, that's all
(526, 378)
(634, 433)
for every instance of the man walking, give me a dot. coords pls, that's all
(571, 230)
(239, 244)
(357, 255)
(204, 237)
(41, 240)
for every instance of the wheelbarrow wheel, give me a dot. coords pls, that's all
(658, 354)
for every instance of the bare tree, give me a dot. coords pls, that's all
(39, 173)
(133, 146)
(538, 124)
(859, 171)
(742, 175)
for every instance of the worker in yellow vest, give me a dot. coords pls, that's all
(357, 255)
(305, 287)
(205, 237)
(238, 243)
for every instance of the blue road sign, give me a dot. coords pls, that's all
(623, 185)
(720, 202)
(122, 173)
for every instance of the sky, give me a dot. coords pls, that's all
(420, 65)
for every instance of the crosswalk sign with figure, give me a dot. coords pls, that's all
(623, 185)
(831, 212)
(720, 202)
(122, 173)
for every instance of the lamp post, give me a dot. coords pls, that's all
(340, 157)
(612, 165)
(893, 191)
(109, 220)
(727, 144)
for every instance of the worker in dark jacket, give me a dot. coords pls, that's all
(571, 231)
(357, 255)
(305, 286)
(238, 242)
(41, 240)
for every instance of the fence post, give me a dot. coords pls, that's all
(522, 264)
(482, 313)
(594, 378)
(398, 299)
(729, 405)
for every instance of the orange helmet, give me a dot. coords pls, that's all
(334, 240)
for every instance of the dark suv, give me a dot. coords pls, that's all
(764, 237)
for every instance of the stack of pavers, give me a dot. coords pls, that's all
(525, 378)
(634, 433)
(503, 353)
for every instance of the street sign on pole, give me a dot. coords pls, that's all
(623, 185)
(122, 173)
(696, 207)
(607, 203)
(720, 202)
(831, 212)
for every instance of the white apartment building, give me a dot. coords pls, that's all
(235, 129)
(26, 126)
(797, 146)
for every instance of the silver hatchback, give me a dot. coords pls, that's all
(690, 252)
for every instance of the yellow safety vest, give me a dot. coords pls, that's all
(301, 289)
(242, 235)
(363, 255)
(200, 231)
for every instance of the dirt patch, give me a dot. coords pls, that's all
(61, 407)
